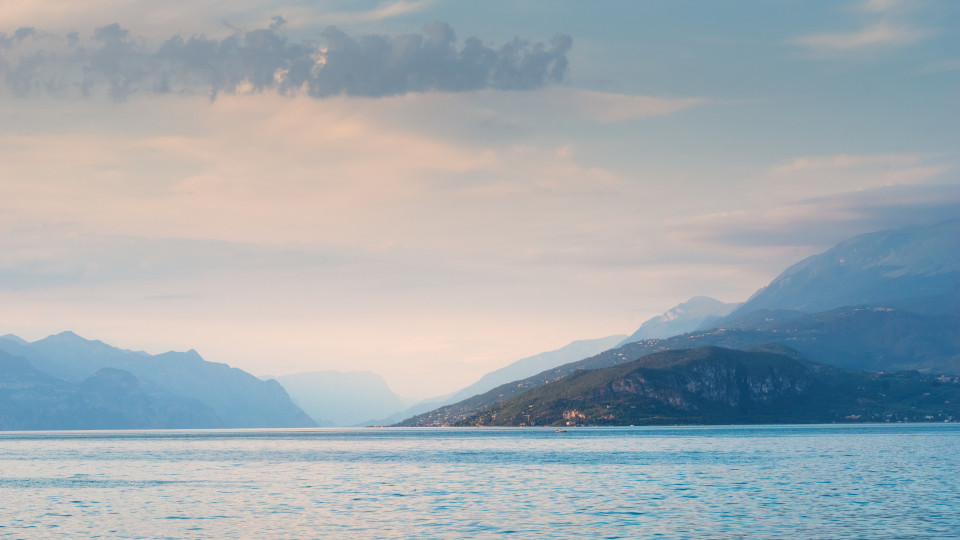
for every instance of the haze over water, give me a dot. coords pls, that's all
(854, 481)
(430, 189)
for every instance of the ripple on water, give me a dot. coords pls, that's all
(817, 481)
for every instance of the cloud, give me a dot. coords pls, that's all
(40, 259)
(809, 203)
(879, 6)
(19, 35)
(845, 163)
(114, 62)
(813, 176)
(609, 108)
(887, 27)
(386, 10)
(880, 34)
(155, 19)
(269, 168)
(502, 114)
(820, 222)
(393, 9)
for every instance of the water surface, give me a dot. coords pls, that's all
(853, 481)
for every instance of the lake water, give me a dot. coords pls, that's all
(853, 481)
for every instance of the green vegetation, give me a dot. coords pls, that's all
(712, 385)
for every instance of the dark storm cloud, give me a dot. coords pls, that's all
(115, 62)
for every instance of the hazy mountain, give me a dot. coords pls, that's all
(874, 339)
(13, 339)
(237, 398)
(711, 385)
(417, 408)
(109, 399)
(72, 358)
(334, 398)
(698, 312)
(915, 268)
(532, 365)
(520, 369)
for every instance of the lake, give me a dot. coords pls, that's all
(849, 481)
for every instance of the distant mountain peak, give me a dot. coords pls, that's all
(883, 302)
(682, 318)
(882, 267)
(229, 396)
(342, 398)
(693, 306)
(15, 339)
(702, 301)
(67, 336)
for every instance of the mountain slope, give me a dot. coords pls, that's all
(237, 398)
(695, 313)
(108, 399)
(334, 398)
(535, 364)
(712, 385)
(16, 340)
(916, 268)
(875, 339)
(525, 367)
(73, 358)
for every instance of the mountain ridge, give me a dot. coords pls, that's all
(880, 268)
(237, 398)
(337, 398)
(713, 385)
(695, 313)
(875, 336)
(525, 367)
(111, 398)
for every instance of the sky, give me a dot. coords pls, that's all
(432, 189)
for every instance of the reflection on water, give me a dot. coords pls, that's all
(767, 481)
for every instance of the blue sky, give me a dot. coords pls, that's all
(309, 198)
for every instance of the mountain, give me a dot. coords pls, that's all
(72, 358)
(416, 409)
(698, 312)
(13, 339)
(334, 398)
(712, 385)
(532, 365)
(236, 397)
(914, 268)
(525, 367)
(109, 399)
(908, 280)
(862, 338)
